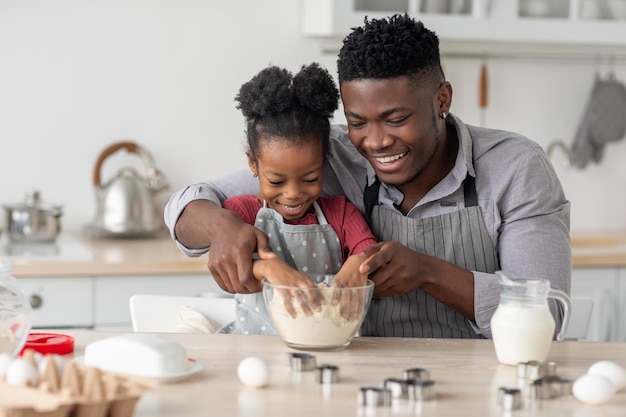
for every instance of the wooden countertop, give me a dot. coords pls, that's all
(78, 254)
(466, 373)
(599, 250)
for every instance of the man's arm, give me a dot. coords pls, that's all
(196, 222)
(195, 233)
(534, 237)
(233, 242)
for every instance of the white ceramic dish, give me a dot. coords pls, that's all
(141, 354)
(164, 378)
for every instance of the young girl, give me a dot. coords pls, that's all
(287, 133)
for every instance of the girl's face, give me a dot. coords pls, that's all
(290, 175)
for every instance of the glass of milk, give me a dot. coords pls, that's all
(522, 326)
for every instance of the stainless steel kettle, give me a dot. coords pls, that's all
(126, 204)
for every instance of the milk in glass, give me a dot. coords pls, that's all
(523, 333)
(522, 326)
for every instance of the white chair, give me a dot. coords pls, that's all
(159, 313)
(578, 327)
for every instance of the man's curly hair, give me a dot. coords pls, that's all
(389, 48)
(277, 104)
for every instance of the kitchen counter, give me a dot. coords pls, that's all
(599, 250)
(78, 254)
(100, 275)
(466, 373)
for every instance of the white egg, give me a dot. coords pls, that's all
(611, 370)
(593, 389)
(253, 372)
(21, 372)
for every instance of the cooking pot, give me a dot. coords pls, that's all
(126, 204)
(33, 220)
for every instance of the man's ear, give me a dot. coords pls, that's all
(444, 98)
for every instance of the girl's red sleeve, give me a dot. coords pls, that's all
(350, 225)
(245, 207)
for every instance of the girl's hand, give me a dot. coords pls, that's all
(306, 293)
(352, 302)
(349, 275)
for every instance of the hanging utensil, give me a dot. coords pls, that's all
(483, 94)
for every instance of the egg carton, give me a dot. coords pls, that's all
(77, 391)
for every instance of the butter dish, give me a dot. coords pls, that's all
(142, 355)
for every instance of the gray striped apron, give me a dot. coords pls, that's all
(460, 238)
(314, 249)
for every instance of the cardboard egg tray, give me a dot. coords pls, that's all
(77, 391)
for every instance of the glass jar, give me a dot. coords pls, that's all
(15, 312)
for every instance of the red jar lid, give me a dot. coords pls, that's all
(49, 343)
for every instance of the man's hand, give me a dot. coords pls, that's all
(232, 242)
(394, 268)
(230, 257)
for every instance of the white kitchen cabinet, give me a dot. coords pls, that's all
(102, 302)
(602, 286)
(59, 302)
(88, 281)
(483, 26)
(112, 294)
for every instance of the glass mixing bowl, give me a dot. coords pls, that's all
(329, 324)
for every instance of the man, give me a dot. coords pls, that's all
(449, 203)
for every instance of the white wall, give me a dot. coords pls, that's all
(545, 100)
(76, 76)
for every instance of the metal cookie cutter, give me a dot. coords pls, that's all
(327, 374)
(509, 398)
(418, 374)
(302, 362)
(421, 390)
(399, 388)
(374, 396)
(549, 387)
(533, 370)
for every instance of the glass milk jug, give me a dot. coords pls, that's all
(522, 326)
(15, 312)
